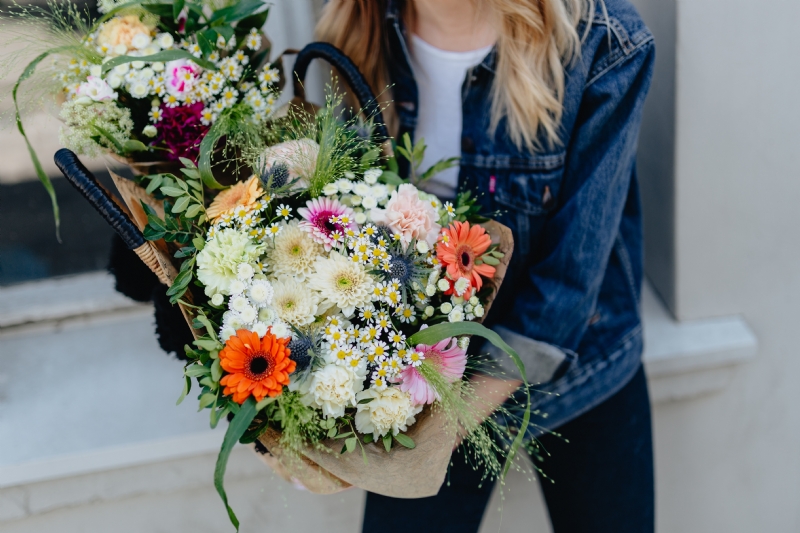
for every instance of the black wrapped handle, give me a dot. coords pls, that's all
(347, 70)
(83, 180)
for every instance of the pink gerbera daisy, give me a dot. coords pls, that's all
(446, 357)
(324, 217)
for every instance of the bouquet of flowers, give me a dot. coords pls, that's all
(331, 301)
(153, 82)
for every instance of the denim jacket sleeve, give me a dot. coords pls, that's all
(565, 279)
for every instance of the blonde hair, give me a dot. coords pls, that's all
(537, 39)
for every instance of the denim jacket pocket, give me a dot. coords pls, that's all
(533, 190)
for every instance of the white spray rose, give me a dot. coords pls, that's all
(390, 410)
(333, 388)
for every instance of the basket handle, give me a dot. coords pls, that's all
(86, 184)
(349, 71)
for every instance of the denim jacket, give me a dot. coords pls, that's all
(569, 304)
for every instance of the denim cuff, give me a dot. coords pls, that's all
(543, 362)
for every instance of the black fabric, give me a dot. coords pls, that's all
(132, 277)
(136, 281)
(172, 331)
(602, 470)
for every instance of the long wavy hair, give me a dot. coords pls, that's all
(537, 39)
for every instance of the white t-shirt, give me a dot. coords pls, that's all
(440, 75)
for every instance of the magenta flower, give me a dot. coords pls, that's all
(446, 358)
(324, 217)
(181, 130)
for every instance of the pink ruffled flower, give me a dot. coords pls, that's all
(318, 214)
(446, 357)
(181, 76)
(96, 89)
(409, 216)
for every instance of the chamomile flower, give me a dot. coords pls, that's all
(253, 40)
(405, 313)
(274, 229)
(284, 211)
(451, 211)
(156, 114)
(397, 339)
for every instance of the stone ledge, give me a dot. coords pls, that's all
(682, 360)
(687, 359)
(60, 299)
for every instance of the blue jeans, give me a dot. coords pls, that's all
(603, 478)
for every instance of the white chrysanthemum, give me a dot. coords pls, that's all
(390, 410)
(332, 388)
(342, 282)
(218, 262)
(260, 292)
(294, 302)
(294, 253)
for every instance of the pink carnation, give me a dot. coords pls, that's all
(409, 216)
(450, 361)
(181, 76)
(318, 214)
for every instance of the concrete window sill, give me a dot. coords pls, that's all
(89, 398)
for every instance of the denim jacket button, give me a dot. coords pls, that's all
(467, 145)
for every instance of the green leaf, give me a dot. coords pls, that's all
(187, 386)
(207, 344)
(203, 319)
(344, 435)
(177, 7)
(155, 181)
(216, 370)
(172, 191)
(370, 156)
(207, 40)
(367, 438)
(391, 178)
(132, 145)
(405, 440)
(206, 400)
(238, 11)
(206, 148)
(236, 429)
(332, 433)
(439, 332)
(187, 163)
(104, 133)
(181, 204)
(489, 260)
(199, 243)
(163, 56)
(351, 444)
(265, 402)
(196, 371)
(387, 442)
(193, 210)
(256, 21)
(365, 400)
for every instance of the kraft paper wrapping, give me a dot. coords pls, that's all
(400, 473)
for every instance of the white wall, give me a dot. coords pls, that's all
(729, 462)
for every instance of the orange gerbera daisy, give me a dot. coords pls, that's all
(459, 246)
(243, 194)
(257, 366)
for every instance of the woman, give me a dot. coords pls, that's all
(542, 101)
